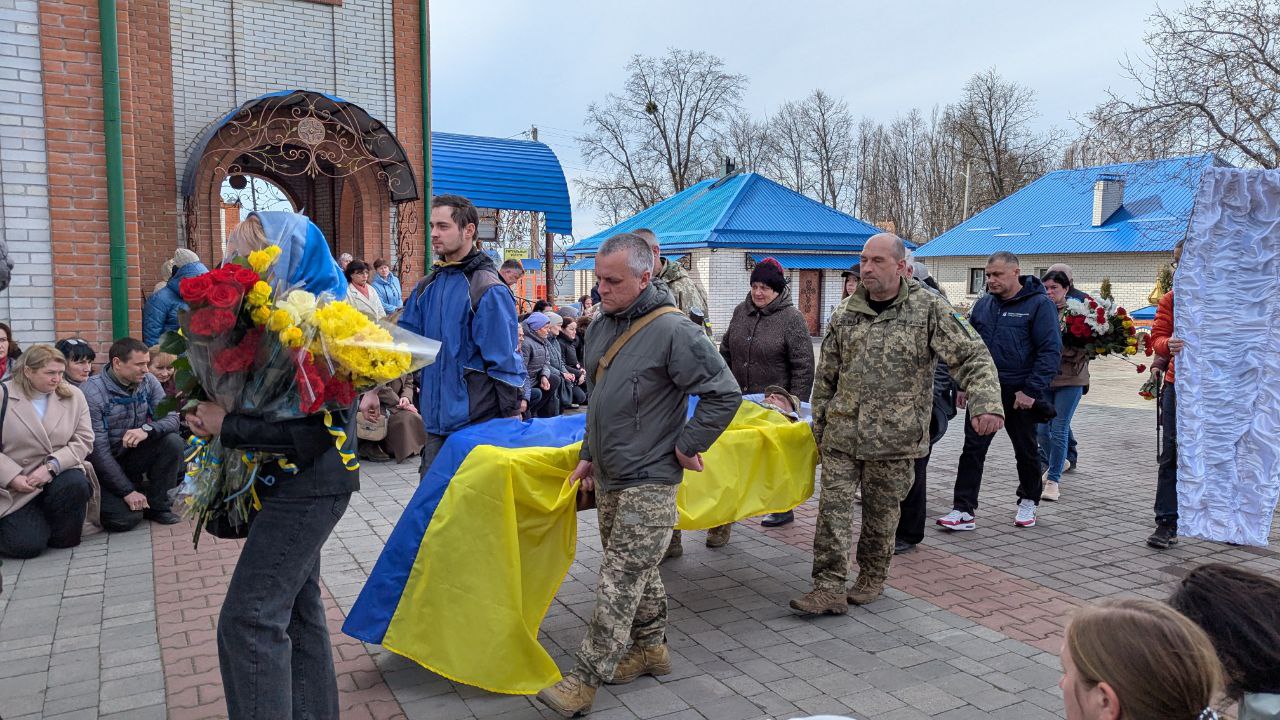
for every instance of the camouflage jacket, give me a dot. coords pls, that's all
(686, 292)
(873, 394)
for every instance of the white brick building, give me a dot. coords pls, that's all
(1115, 221)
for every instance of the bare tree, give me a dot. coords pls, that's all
(993, 123)
(1211, 83)
(660, 135)
(789, 148)
(746, 142)
(830, 139)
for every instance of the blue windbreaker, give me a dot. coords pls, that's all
(389, 292)
(160, 313)
(1023, 336)
(479, 373)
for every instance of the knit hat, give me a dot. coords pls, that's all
(855, 271)
(769, 272)
(920, 272)
(536, 321)
(554, 318)
(569, 312)
(183, 257)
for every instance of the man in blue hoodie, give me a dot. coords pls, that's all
(1019, 323)
(479, 374)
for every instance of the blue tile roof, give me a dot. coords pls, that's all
(745, 211)
(1054, 214)
(502, 174)
(815, 261)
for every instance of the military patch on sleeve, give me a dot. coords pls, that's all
(964, 323)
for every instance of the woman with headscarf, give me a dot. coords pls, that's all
(768, 344)
(273, 640)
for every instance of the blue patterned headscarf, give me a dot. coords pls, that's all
(304, 254)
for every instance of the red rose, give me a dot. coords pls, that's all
(243, 276)
(1142, 369)
(195, 289)
(232, 360)
(210, 321)
(222, 295)
(310, 385)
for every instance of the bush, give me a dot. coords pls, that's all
(1105, 290)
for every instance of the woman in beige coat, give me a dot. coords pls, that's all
(360, 294)
(44, 491)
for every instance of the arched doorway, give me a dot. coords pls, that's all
(329, 158)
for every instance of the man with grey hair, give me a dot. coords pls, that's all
(1019, 323)
(692, 301)
(643, 361)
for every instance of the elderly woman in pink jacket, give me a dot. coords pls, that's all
(44, 491)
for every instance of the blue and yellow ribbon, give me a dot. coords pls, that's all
(340, 440)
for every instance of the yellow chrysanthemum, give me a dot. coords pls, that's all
(280, 319)
(259, 295)
(260, 315)
(365, 350)
(260, 260)
(291, 336)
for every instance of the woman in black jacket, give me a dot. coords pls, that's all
(768, 343)
(273, 642)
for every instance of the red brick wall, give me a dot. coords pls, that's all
(408, 83)
(71, 61)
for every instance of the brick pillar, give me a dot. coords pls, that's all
(71, 61)
(408, 88)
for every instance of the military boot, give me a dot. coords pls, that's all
(863, 593)
(821, 602)
(570, 697)
(642, 660)
(675, 549)
(718, 537)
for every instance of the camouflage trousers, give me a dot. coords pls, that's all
(631, 603)
(885, 483)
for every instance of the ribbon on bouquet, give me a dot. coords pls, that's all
(340, 440)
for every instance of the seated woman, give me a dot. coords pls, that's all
(1240, 611)
(44, 491)
(80, 358)
(405, 434)
(360, 293)
(1137, 660)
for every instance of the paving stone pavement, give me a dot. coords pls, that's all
(122, 626)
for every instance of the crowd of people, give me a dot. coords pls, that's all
(83, 451)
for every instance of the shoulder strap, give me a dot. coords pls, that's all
(625, 337)
(4, 410)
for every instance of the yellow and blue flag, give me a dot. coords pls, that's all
(477, 556)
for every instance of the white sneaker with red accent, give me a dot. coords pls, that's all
(956, 520)
(1026, 514)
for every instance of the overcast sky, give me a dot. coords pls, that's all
(499, 66)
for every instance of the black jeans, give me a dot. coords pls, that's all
(153, 467)
(1167, 475)
(52, 519)
(1021, 428)
(273, 641)
(546, 403)
(429, 452)
(911, 521)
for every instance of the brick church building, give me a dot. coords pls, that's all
(321, 98)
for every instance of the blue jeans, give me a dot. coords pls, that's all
(1055, 435)
(273, 641)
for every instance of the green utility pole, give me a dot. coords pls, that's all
(115, 168)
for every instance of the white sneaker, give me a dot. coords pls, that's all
(957, 520)
(1026, 514)
(1051, 492)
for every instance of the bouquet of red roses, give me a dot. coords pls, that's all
(1100, 327)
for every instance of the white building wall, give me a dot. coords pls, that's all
(225, 54)
(1133, 275)
(27, 306)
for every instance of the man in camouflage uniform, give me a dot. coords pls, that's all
(871, 405)
(692, 300)
(637, 447)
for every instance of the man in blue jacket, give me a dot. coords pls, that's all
(1019, 324)
(464, 304)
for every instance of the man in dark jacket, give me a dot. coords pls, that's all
(464, 304)
(160, 313)
(137, 456)
(639, 442)
(1019, 323)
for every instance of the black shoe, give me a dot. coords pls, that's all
(778, 519)
(1071, 466)
(162, 517)
(901, 547)
(1165, 536)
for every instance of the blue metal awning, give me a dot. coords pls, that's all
(805, 261)
(589, 263)
(1144, 313)
(503, 174)
(531, 264)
